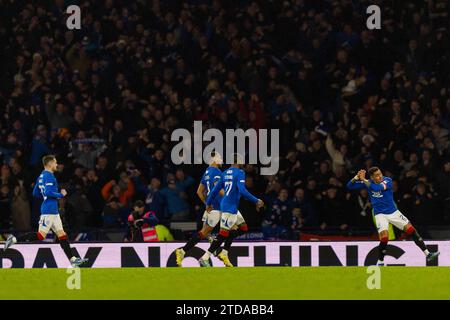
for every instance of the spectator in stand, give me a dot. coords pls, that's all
(177, 205)
(279, 221)
(124, 189)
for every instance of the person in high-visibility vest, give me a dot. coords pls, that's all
(142, 225)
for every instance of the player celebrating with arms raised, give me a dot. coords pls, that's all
(232, 181)
(385, 211)
(46, 188)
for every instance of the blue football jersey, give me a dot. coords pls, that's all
(209, 180)
(46, 188)
(232, 181)
(381, 195)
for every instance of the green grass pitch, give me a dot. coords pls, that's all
(290, 283)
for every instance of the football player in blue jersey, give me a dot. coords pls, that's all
(46, 188)
(212, 218)
(232, 181)
(385, 211)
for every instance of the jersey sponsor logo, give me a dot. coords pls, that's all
(377, 194)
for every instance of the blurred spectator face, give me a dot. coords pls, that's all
(12, 138)
(118, 125)
(339, 171)
(300, 147)
(312, 184)
(116, 191)
(331, 193)
(415, 107)
(412, 45)
(299, 193)
(297, 212)
(317, 115)
(4, 190)
(426, 156)
(396, 120)
(159, 154)
(16, 168)
(179, 174)
(283, 194)
(124, 177)
(60, 108)
(413, 158)
(79, 172)
(139, 210)
(102, 162)
(342, 56)
(155, 183)
(343, 149)
(114, 205)
(398, 156)
(171, 184)
(91, 175)
(316, 145)
(447, 166)
(421, 189)
(323, 167)
(5, 171)
(87, 148)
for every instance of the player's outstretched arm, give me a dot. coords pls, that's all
(243, 190)
(355, 183)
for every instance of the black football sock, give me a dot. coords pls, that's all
(31, 236)
(193, 241)
(67, 249)
(233, 234)
(382, 249)
(216, 243)
(419, 241)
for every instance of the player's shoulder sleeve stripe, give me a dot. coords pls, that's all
(384, 183)
(49, 184)
(241, 180)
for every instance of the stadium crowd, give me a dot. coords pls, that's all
(105, 99)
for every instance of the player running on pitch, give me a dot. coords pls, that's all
(385, 210)
(46, 188)
(210, 219)
(232, 181)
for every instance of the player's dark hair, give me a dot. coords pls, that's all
(373, 170)
(139, 204)
(47, 159)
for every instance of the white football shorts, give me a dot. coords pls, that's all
(50, 221)
(228, 220)
(396, 218)
(212, 218)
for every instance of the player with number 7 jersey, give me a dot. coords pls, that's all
(232, 181)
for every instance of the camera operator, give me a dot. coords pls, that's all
(141, 226)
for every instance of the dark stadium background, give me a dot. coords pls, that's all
(105, 99)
